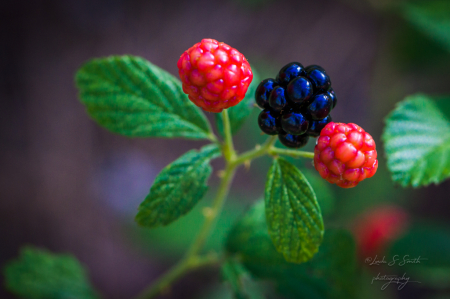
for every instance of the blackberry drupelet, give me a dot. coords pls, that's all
(268, 122)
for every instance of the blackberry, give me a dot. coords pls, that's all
(268, 123)
(277, 99)
(320, 106)
(318, 77)
(296, 104)
(294, 123)
(299, 91)
(295, 141)
(263, 92)
(289, 72)
(316, 126)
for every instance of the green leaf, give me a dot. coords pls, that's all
(432, 17)
(130, 96)
(417, 142)
(324, 192)
(177, 188)
(331, 273)
(40, 274)
(292, 212)
(239, 113)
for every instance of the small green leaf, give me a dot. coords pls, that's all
(39, 274)
(417, 142)
(432, 17)
(292, 212)
(177, 188)
(130, 96)
(331, 273)
(239, 113)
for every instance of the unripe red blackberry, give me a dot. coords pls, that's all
(345, 154)
(215, 76)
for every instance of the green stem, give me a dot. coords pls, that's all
(257, 152)
(291, 153)
(229, 152)
(214, 211)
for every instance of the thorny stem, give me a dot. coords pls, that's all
(193, 259)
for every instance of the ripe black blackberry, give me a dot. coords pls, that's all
(296, 104)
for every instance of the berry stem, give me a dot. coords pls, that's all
(257, 152)
(228, 152)
(292, 153)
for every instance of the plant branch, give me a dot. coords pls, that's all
(291, 153)
(214, 211)
(228, 152)
(257, 152)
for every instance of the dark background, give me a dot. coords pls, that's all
(70, 186)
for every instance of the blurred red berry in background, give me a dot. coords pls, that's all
(378, 227)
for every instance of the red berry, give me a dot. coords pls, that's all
(214, 75)
(375, 229)
(345, 154)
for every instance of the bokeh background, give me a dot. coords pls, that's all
(68, 185)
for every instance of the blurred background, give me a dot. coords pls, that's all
(68, 185)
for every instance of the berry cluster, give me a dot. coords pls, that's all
(296, 104)
(215, 76)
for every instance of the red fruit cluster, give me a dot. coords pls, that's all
(215, 76)
(345, 154)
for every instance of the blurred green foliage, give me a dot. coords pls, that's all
(39, 274)
(330, 274)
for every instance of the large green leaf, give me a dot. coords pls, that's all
(293, 214)
(39, 274)
(177, 188)
(130, 96)
(239, 113)
(323, 190)
(331, 273)
(417, 142)
(432, 17)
